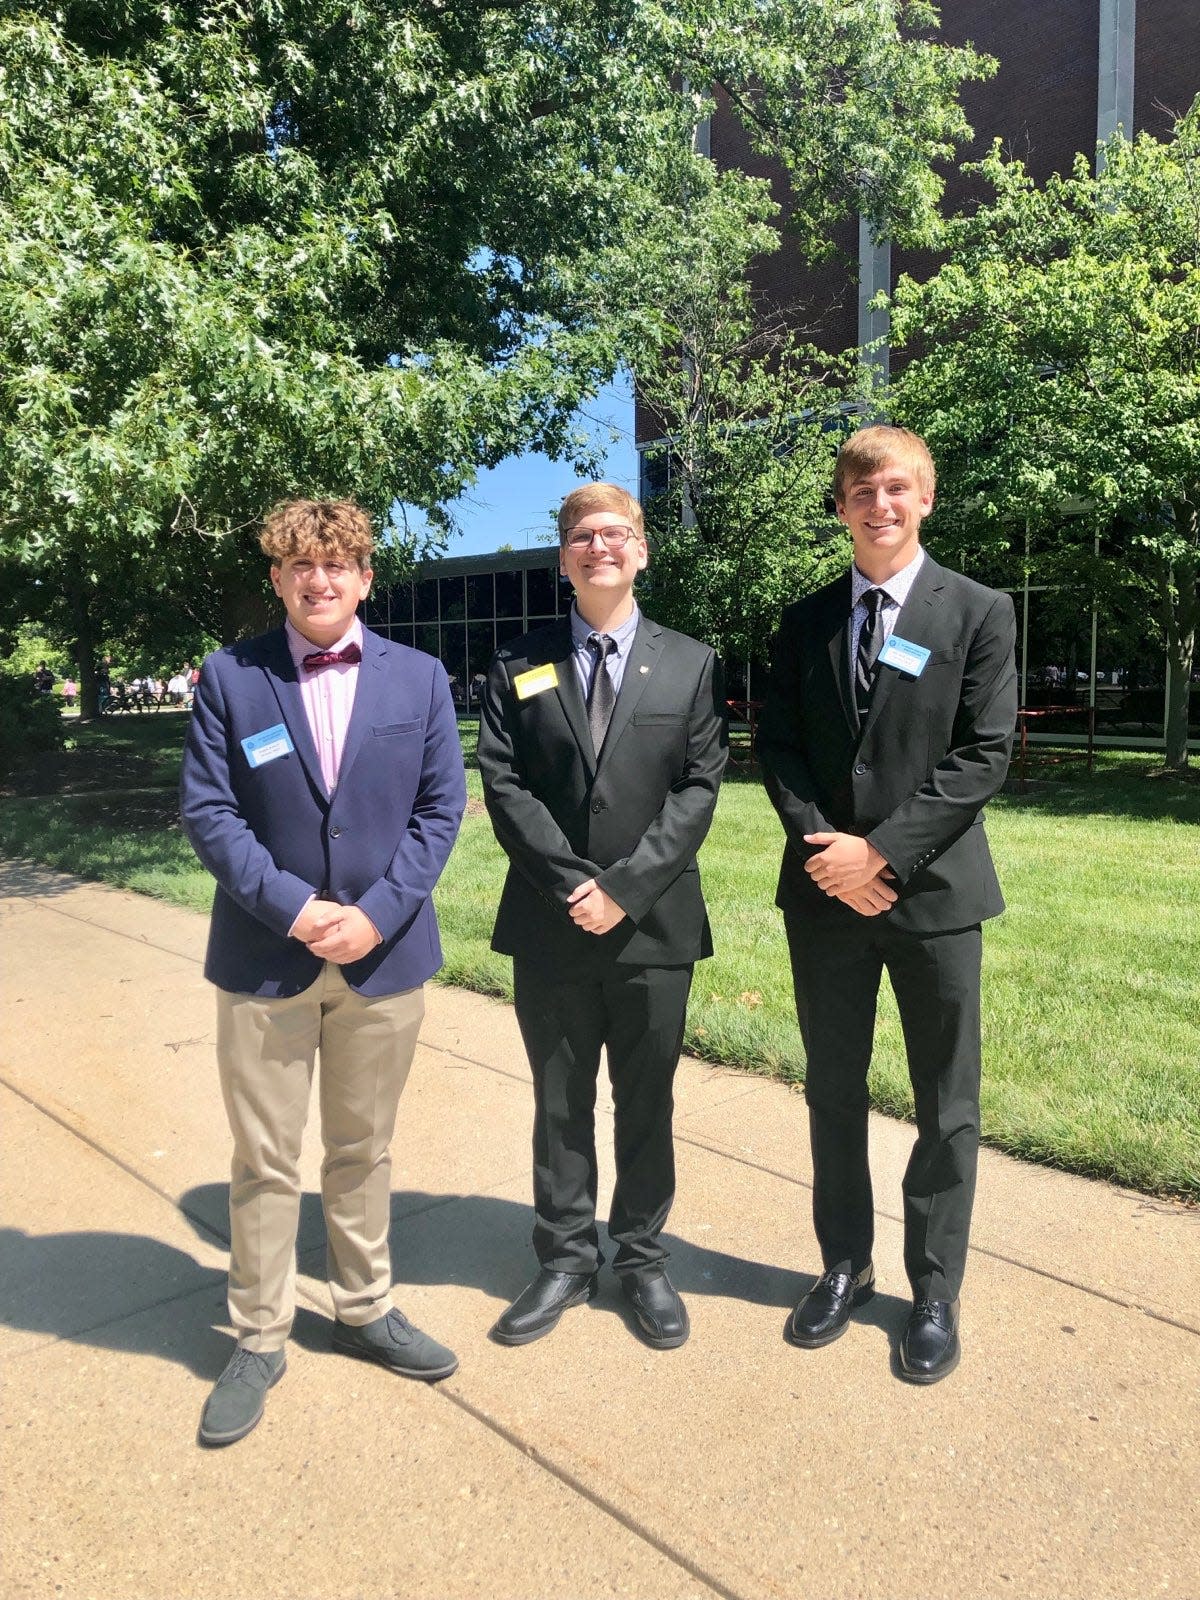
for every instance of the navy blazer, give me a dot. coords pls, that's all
(633, 820)
(915, 777)
(272, 835)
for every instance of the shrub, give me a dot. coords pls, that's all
(29, 722)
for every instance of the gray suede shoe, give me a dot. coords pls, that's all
(396, 1344)
(240, 1395)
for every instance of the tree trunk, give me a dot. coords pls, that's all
(1179, 586)
(83, 645)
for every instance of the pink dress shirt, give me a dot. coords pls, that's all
(328, 695)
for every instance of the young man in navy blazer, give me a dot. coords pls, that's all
(322, 787)
(602, 743)
(888, 726)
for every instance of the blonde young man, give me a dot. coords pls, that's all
(887, 728)
(602, 743)
(322, 787)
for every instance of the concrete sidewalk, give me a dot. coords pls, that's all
(1060, 1460)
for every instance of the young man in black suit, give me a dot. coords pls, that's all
(602, 742)
(887, 728)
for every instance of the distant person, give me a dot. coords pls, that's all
(69, 691)
(43, 679)
(602, 743)
(888, 726)
(322, 786)
(104, 684)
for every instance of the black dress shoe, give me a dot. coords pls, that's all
(662, 1318)
(822, 1315)
(538, 1307)
(929, 1347)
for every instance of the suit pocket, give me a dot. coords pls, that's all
(938, 656)
(656, 719)
(389, 729)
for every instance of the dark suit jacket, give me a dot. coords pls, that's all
(932, 751)
(272, 835)
(633, 821)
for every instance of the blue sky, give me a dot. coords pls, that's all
(515, 502)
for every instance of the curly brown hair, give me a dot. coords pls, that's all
(318, 528)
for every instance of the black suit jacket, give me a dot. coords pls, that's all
(633, 821)
(915, 777)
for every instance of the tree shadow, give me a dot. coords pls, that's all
(25, 880)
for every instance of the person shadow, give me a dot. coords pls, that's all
(125, 1292)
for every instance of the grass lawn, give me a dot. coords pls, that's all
(1091, 978)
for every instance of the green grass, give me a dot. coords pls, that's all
(1091, 978)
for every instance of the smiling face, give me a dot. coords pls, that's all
(602, 578)
(321, 592)
(884, 511)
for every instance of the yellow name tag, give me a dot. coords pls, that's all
(536, 681)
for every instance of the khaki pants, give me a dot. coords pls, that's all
(266, 1051)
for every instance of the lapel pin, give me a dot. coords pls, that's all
(643, 669)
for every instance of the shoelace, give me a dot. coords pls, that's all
(927, 1308)
(242, 1359)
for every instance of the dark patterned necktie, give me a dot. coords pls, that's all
(601, 695)
(327, 658)
(870, 643)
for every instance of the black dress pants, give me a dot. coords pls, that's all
(837, 964)
(637, 1015)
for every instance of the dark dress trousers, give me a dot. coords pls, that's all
(912, 777)
(633, 820)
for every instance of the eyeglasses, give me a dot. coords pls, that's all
(615, 537)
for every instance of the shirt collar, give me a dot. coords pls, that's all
(301, 647)
(897, 587)
(582, 631)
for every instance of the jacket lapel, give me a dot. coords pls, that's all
(281, 673)
(643, 658)
(368, 699)
(915, 622)
(570, 695)
(836, 629)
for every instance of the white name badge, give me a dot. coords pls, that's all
(904, 656)
(268, 745)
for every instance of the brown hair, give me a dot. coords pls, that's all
(873, 447)
(318, 528)
(591, 497)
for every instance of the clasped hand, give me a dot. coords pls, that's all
(850, 869)
(593, 910)
(336, 933)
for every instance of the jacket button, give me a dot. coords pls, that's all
(597, 806)
(859, 768)
(335, 833)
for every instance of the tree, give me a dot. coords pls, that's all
(1057, 367)
(362, 248)
(749, 418)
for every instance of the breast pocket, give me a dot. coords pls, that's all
(656, 719)
(391, 730)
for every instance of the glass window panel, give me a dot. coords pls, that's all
(400, 603)
(427, 638)
(453, 599)
(401, 635)
(425, 600)
(454, 659)
(507, 629)
(376, 610)
(509, 595)
(481, 597)
(540, 586)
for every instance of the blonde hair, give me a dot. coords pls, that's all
(877, 446)
(591, 497)
(318, 528)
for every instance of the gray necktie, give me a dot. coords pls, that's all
(601, 696)
(870, 643)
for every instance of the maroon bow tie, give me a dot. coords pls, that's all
(326, 658)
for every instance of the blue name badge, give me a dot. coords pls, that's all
(904, 656)
(268, 745)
